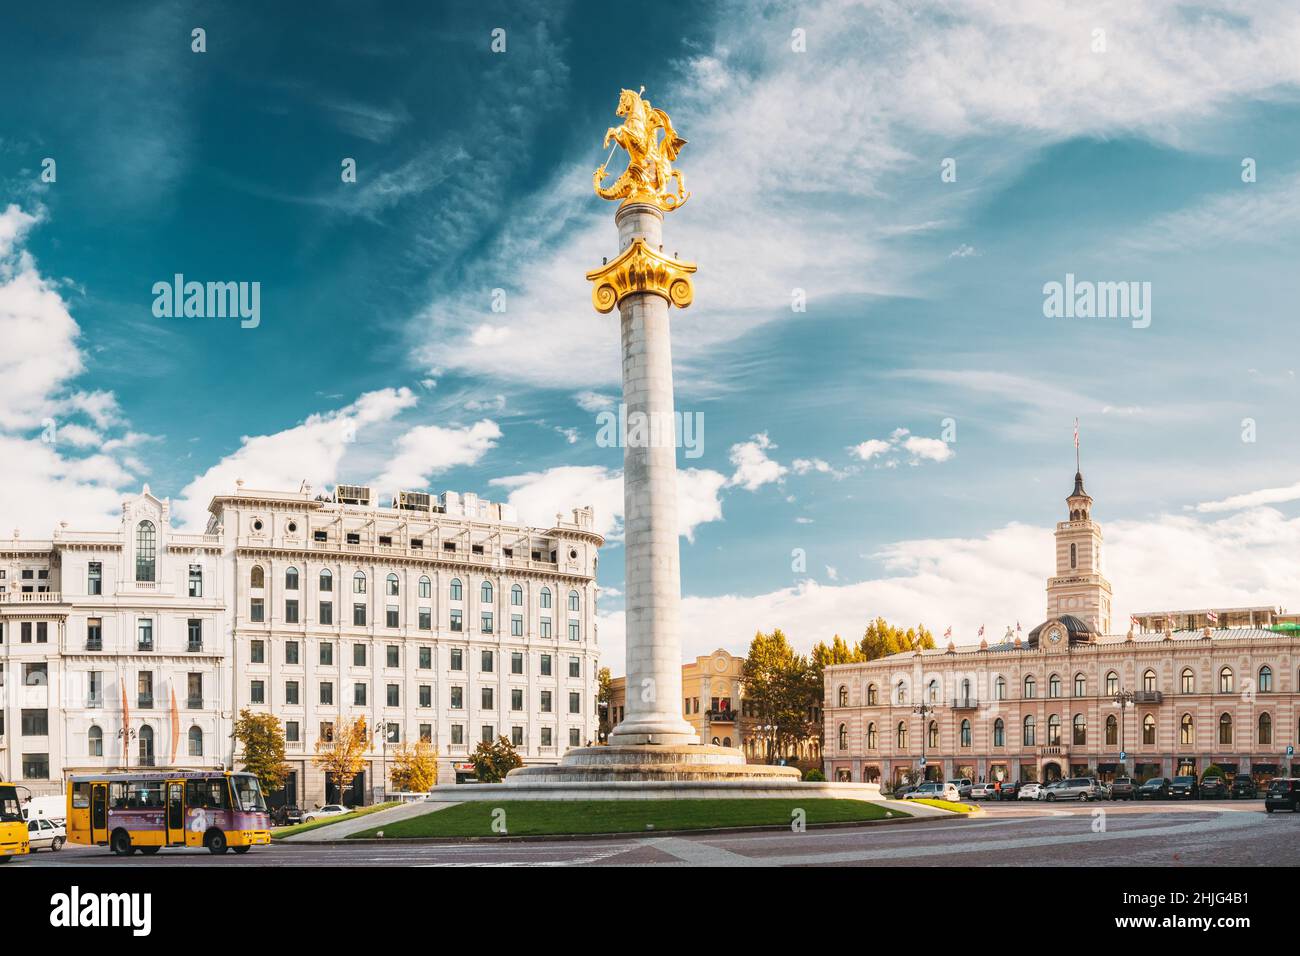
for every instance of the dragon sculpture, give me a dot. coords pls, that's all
(650, 176)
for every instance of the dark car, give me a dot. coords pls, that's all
(1243, 786)
(1157, 788)
(1213, 788)
(901, 790)
(1010, 790)
(1184, 787)
(1283, 794)
(286, 816)
(1123, 788)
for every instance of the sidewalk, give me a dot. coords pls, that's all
(345, 828)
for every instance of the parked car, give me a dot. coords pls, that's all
(903, 789)
(1029, 791)
(329, 810)
(1123, 788)
(1010, 790)
(1243, 785)
(43, 834)
(1213, 788)
(982, 791)
(1157, 788)
(964, 787)
(1100, 790)
(934, 790)
(1049, 788)
(1184, 787)
(1283, 794)
(286, 816)
(1074, 788)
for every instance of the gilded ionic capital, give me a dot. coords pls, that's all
(642, 269)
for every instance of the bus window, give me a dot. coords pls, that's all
(81, 796)
(248, 795)
(10, 809)
(208, 794)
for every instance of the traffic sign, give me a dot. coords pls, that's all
(1123, 755)
(1290, 750)
(922, 761)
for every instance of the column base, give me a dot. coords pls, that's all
(619, 762)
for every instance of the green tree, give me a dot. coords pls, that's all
(261, 738)
(882, 639)
(782, 688)
(492, 761)
(605, 687)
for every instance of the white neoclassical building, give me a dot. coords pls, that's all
(433, 617)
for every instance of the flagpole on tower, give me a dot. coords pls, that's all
(1076, 446)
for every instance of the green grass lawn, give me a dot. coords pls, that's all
(538, 817)
(281, 832)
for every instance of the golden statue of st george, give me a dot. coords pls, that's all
(650, 176)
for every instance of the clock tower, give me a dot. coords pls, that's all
(1078, 588)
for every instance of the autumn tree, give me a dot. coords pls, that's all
(605, 688)
(344, 756)
(415, 768)
(882, 639)
(261, 738)
(492, 761)
(781, 687)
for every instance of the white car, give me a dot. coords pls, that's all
(982, 791)
(1029, 791)
(931, 790)
(329, 810)
(43, 834)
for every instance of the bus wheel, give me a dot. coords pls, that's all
(241, 849)
(215, 841)
(150, 850)
(120, 843)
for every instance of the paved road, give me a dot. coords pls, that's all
(1155, 834)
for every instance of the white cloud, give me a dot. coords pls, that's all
(902, 440)
(962, 252)
(497, 403)
(930, 449)
(870, 448)
(802, 466)
(593, 401)
(1252, 499)
(429, 450)
(753, 466)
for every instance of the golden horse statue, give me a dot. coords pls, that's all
(650, 175)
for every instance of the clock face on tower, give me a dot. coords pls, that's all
(1054, 635)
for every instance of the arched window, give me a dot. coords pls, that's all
(1080, 685)
(546, 597)
(1074, 557)
(196, 741)
(1148, 729)
(574, 601)
(844, 737)
(965, 733)
(1226, 683)
(1266, 680)
(146, 746)
(455, 589)
(1187, 681)
(1080, 729)
(326, 581)
(291, 579)
(1031, 686)
(359, 583)
(1000, 689)
(1149, 681)
(1054, 686)
(393, 586)
(517, 596)
(871, 736)
(999, 733)
(900, 693)
(426, 587)
(1225, 729)
(1112, 730)
(1265, 729)
(1029, 731)
(146, 551)
(932, 735)
(844, 696)
(1054, 731)
(257, 577)
(95, 741)
(1186, 730)
(1112, 684)
(932, 691)
(872, 696)
(902, 735)
(485, 592)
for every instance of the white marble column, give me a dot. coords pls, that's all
(653, 575)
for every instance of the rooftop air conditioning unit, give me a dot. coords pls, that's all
(413, 501)
(352, 494)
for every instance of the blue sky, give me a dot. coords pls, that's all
(379, 359)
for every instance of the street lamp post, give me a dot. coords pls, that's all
(126, 735)
(923, 710)
(1124, 699)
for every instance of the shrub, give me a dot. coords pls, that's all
(813, 775)
(1213, 770)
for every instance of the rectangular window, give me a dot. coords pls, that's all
(43, 632)
(291, 732)
(352, 537)
(358, 655)
(257, 652)
(486, 700)
(575, 737)
(457, 659)
(390, 615)
(456, 624)
(95, 578)
(575, 702)
(486, 622)
(326, 612)
(358, 615)
(36, 766)
(489, 734)
(95, 689)
(547, 740)
(326, 692)
(291, 652)
(546, 702)
(327, 730)
(25, 630)
(320, 536)
(291, 611)
(194, 635)
(457, 698)
(36, 674)
(486, 662)
(573, 630)
(516, 662)
(394, 656)
(516, 625)
(517, 698)
(458, 734)
(327, 654)
(426, 695)
(517, 736)
(359, 695)
(196, 581)
(546, 665)
(546, 627)
(36, 723)
(426, 658)
(194, 691)
(291, 692)
(417, 544)
(426, 619)
(575, 667)
(144, 635)
(257, 692)
(144, 689)
(394, 695)
(257, 610)
(94, 634)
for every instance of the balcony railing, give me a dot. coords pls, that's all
(93, 644)
(32, 597)
(144, 645)
(1053, 751)
(194, 647)
(965, 703)
(1148, 697)
(194, 703)
(721, 716)
(145, 701)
